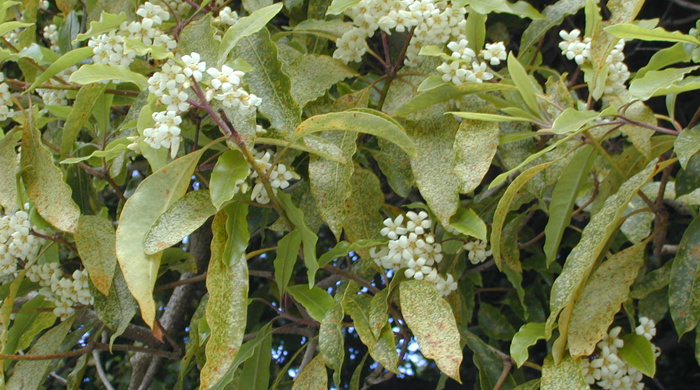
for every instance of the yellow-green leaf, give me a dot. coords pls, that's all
(476, 143)
(601, 297)
(638, 352)
(44, 183)
(96, 243)
(84, 103)
(312, 377)
(527, 85)
(152, 198)
(633, 31)
(226, 308)
(527, 336)
(316, 301)
(565, 375)
(687, 145)
(8, 172)
(445, 92)
(96, 73)
(362, 219)
(64, 62)
(468, 222)
(230, 167)
(246, 27)
(431, 320)
(287, 253)
(107, 23)
(684, 288)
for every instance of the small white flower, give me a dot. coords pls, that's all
(494, 53)
(351, 46)
(478, 73)
(193, 66)
(461, 50)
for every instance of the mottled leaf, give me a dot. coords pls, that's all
(226, 308)
(476, 143)
(602, 296)
(379, 311)
(331, 338)
(85, 101)
(237, 232)
(180, 220)
(96, 243)
(152, 198)
(199, 36)
(432, 322)
(308, 237)
(8, 172)
(684, 288)
(44, 183)
(362, 219)
(117, 308)
(638, 352)
(488, 362)
(445, 92)
(312, 75)
(527, 336)
(565, 375)
(369, 122)
(687, 145)
(493, 323)
(312, 377)
(553, 16)
(311, 144)
(396, 166)
(243, 354)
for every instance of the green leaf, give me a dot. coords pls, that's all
(244, 353)
(565, 375)
(96, 244)
(527, 336)
(379, 311)
(493, 323)
(308, 238)
(28, 323)
(338, 6)
(152, 198)
(107, 23)
(445, 92)
(665, 57)
(312, 75)
(476, 143)
(245, 27)
(226, 308)
(362, 219)
(287, 254)
(111, 151)
(468, 222)
(593, 242)
(75, 378)
(654, 80)
(331, 339)
(504, 205)
(684, 288)
(632, 31)
(369, 122)
(179, 221)
(638, 352)
(311, 144)
(553, 16)
(312, 377)
(330, 180)
(564, 197)
(83, 105)
(230, 168)
(432, 322)
(524, 82)
(66, 61)
(477, 116)
(237, 231)
(639, 135)
(488, 362)
(572, 120)
(434, 135)
(6, 27)
(256, 370)
(316, 301)
(476, 30)
(96, 73)
(602, 296)
(199, 36)
(8, 175)
(117, 308)
(687, 145)
(343, 248)
(396, 166)
(44, 182)
(29, 374)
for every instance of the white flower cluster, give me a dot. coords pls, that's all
(574, 48)
(466, 67)
(279, 177)
(412, 247)
(225, 18)
(226, 87)
(44, 4)
(178, 6)
(50, 33)
(63, 291)
(17, 241)
(607, 369)
(110, 49)
(476, 251)
(434, 22)
(6, 110)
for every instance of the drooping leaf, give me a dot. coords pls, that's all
(638, 352)
(83, 105)
(237, 231)
(180, 220)
(256, 370)
(312, 377)
(117, 308)
(96, 73)
(308, 237)
(369, 122)
(432, 322)
(632, 31)
(287, 254)
(527, 336)
(331, 340)
(8, 175)
(525, 83)
(245, 27)
(687, 145)
(44, 182)
(316, 301)
(476, 143)
(602, 296)
(268, 81)
(565, 375)
(152, 198)
(593, 241)
(96, 243)
(230, 167)
(563, 198)
(684, 288)
(488, 362)
(226, 308)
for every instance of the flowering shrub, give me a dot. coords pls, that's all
(263, 191)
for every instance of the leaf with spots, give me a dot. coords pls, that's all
(331, 340)
(44, 182)
(476, 143)
(226, 308)
(179, 221)
(246, 27)
(85, 101)
(565, 375)
(362, 219)
(8, 172)
(312, 75)
(684, 288)
(601, 297)
(431, 320)
(96, 243)
(312, 377)
(396, 166)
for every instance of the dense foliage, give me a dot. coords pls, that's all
(313, 193)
